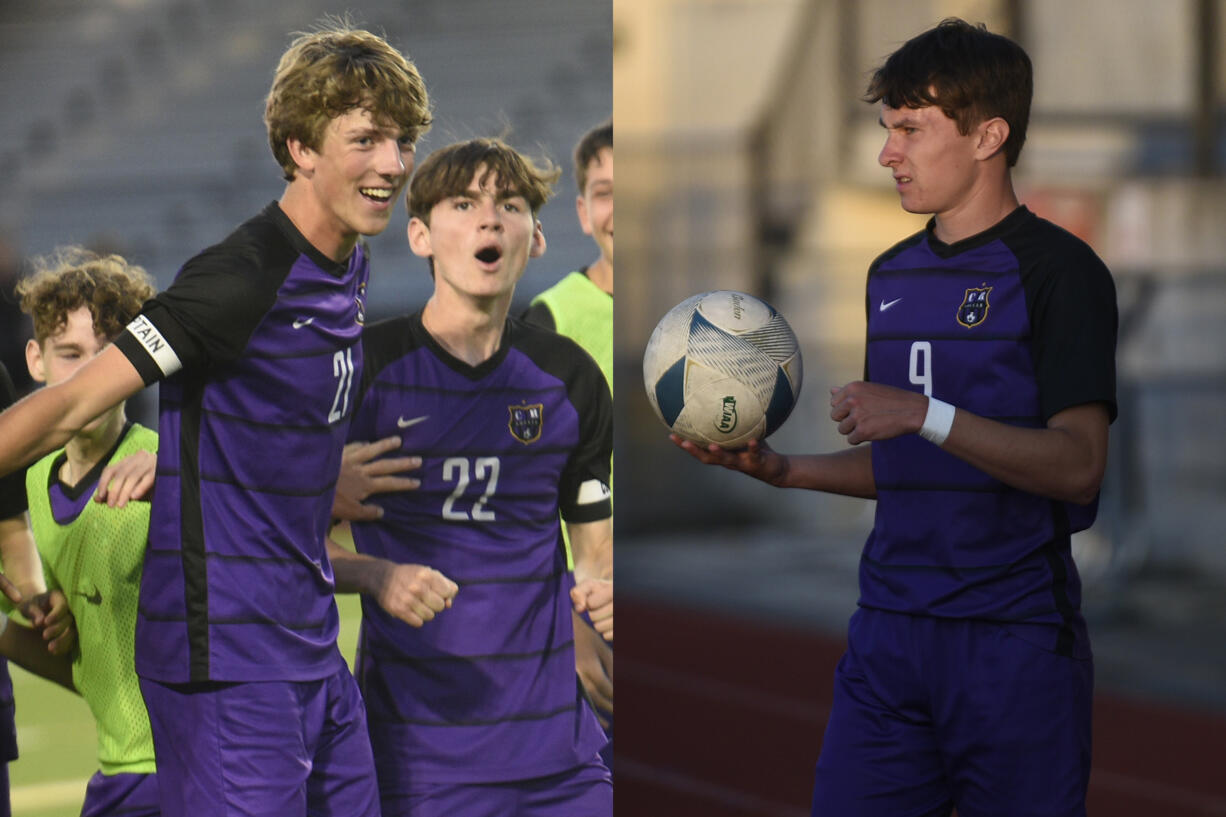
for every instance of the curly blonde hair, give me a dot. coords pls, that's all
(72, 277)
(330, 71)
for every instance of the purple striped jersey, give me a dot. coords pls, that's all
(486, 691)
(257, 342)
(1015, 324)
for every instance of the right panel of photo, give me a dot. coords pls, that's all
(920, 467)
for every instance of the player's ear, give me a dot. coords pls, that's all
(585, 220)
(302, 155)
(419, 238)
(34, 361)
(537, 249)
(992, 137)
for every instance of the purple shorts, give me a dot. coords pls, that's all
(132, 795)
(931, 714)
(584, 791)
(262, 748)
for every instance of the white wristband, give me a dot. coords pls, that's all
(938, 421)
(4, 623)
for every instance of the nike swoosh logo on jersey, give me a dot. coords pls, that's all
(299, 323)
(884, 305)
(403, 423)
(95, 598)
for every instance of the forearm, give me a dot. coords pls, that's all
(34, 426)
(592, 545)
(355, 572)
(848, 473)
(19, 556)
(1064, 461)
(48, 418)
(24, 647)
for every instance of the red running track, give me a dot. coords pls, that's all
(721, 717)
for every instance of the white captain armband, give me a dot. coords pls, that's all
(593, 490)
(156, 345)
(938, 421)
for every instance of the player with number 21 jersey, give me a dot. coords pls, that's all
(258, 341)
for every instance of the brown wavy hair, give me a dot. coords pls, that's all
(332, 70)
(72, 277)
(448, 172)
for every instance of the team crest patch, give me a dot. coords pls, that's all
(974, 308)
(360, 300)
(525, 422)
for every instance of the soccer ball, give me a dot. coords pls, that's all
(722, 367)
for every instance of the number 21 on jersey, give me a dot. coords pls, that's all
(342, 370)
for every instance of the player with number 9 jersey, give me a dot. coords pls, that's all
(1015, 324)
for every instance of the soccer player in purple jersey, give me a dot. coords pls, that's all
(466, 657)
(256, 346)
(989, 388)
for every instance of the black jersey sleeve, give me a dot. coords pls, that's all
(209, 313)
(584, 495)
(1074, 321)
(539, 314)
(12, 486)
(583, 491)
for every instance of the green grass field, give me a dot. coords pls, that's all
(56, 738)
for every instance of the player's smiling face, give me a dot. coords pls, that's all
(355, 177)
(480, 239)
(595, 206)
(934, 166)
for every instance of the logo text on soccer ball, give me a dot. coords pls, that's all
(727, 415)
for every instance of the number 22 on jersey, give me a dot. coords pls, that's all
(456, 469)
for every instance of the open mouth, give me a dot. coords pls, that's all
(488, 255)
(379, 195)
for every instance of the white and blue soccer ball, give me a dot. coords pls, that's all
(722, 367)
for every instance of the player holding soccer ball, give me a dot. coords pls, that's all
(989, 387)
(475, 707)
(252, 707)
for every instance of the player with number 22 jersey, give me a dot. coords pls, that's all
(487, 691)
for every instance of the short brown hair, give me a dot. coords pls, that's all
(73, 277)
(448, 172)
(330, 71)
(971, 74)
(589, 147)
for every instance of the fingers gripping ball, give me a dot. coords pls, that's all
(722, 367)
